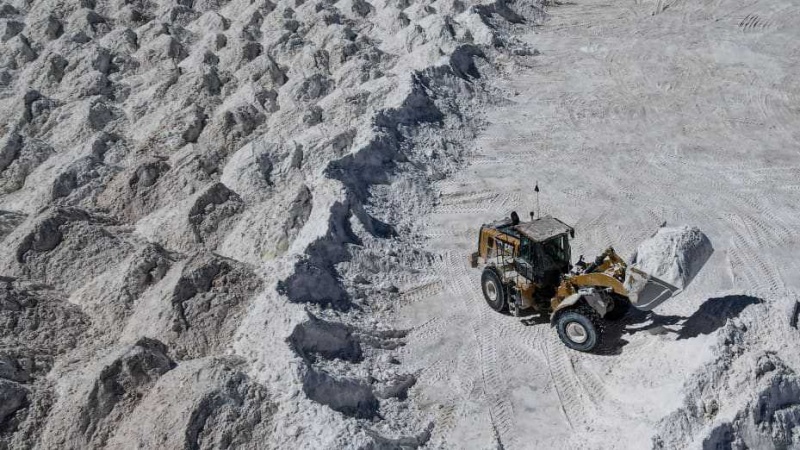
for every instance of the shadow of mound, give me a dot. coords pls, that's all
(714, 313)
(711, 316)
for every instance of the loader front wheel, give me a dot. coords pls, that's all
(493, 290)
(579, 329)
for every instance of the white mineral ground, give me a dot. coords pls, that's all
(245, 224)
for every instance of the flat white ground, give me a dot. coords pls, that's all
(635, 113)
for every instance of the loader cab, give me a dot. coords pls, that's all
(538, 250)
(546, 260)
(544, 251)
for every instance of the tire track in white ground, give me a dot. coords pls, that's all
(499, 336)
(629, 119)
(459, 287)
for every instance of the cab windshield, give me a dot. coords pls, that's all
(557, 250)
(540, 260)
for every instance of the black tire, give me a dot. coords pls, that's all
(493, 290)
(580, 328)
(620, 309)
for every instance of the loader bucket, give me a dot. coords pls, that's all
(646, 291)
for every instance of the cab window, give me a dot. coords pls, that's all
(557, 249)
(526, 251)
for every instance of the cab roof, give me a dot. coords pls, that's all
(542, 229)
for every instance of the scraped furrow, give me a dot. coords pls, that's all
(773, 17)
(439, 233)
(488, 202)
(507, 159)
(422, 291)
(431, 328)
(457, 198)
(752, 22)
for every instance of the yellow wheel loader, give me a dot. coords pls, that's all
(527, 267)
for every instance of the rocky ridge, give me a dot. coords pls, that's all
(201, 203)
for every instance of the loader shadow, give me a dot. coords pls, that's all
(711, 316)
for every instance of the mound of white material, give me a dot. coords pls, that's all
(674, 255)
(748, 395)
(169, 170)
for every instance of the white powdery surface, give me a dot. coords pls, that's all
(633, 115)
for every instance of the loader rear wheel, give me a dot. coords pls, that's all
(493, 290)
(579, 329)
(620, 309)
